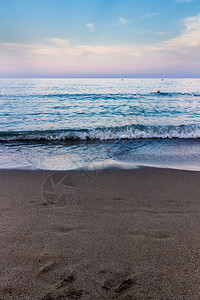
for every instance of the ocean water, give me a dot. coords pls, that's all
(63, 124)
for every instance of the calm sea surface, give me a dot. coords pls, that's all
(63, 124)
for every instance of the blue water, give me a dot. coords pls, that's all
(65, 124)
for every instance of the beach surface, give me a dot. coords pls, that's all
(109, 234)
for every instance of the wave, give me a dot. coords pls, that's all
(105, 133)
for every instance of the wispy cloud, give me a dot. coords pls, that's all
(150, 15)
(123, 21)
(184, 1)
(56, 46)
(90, 26)
(188, 42)
(153, 32)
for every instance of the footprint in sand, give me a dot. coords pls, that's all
(119, 284)
(66, 229)
(47, 268)
(65, 281)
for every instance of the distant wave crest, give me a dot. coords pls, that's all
(105, 96)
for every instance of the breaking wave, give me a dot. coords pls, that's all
(105, 133)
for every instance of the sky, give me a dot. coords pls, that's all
(100, 38)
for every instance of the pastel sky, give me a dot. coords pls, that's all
(100, 38)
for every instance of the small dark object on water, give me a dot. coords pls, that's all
(158, 92)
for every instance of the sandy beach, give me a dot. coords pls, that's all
(110, 234)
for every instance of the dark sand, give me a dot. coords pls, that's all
(113, 234)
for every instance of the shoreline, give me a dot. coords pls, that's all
(100, 234)
(172, 154)
(102, 166)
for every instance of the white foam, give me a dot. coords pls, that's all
(110, 163)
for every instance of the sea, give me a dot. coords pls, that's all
(67, 123)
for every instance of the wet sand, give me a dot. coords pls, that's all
(112, 234)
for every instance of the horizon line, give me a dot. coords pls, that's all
(97, 77)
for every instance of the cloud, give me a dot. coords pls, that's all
(59, 42)
(152, 32)
(184, 1)
(57, 46)
(123, 21)
(90, 26)
(150, 15)
(58, 56)
(188, 42)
